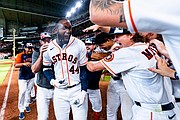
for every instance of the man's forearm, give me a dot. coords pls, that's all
(37, 65)
(107, 13)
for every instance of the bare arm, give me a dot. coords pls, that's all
(18, 65)
(95, 66)
(107, 13)
(162, 68)
(160, 47)
(38, 64)
(96, 27)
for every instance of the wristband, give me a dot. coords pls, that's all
(176, 76)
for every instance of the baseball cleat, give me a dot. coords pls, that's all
(32, 100)
(28, 109)
(21, 116)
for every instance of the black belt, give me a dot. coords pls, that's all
(165, 107)
(115, 78)
(73, 85)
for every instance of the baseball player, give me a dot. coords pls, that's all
(25, 80)
(45, 91)
(68, 56)
(144, 87)
(93, 79)
(142, 16)
(116, 92)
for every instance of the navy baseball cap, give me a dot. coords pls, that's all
(28, 45)
(102, 38)
(90, 40)
(117, 30)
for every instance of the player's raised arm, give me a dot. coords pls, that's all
(97, 27)
(107, 13)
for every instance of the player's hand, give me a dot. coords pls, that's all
(79, 100)
(98, 55)
(93, 28)
(160, 47)
(162, 68)
(27, 64)
(44, 48)
(59, 83)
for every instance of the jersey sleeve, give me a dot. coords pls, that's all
(152, 16)
(119, 61)
(46, 59)
(83, 55)
(35, 56)
(18, 58)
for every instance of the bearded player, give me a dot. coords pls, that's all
(68, 56)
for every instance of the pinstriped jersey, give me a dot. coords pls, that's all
(141, 84)
(152, 16)
(66, 60)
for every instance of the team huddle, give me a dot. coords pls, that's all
(144, 81)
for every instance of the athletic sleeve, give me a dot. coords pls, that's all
(18, 58)
(83, 55)
(47, 66)
(122, 59)
(83, 77)
(159, 16)
(35, 56)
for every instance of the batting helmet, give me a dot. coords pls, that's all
(45, 35)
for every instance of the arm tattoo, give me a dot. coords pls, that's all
(110, 6)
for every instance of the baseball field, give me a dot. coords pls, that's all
(9, 97)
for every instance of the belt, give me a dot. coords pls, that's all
(116, 78)
(73, 85)
(165, 107)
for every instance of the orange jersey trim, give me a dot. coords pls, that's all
(19, 58)
(131, 18)
(67, 61)
(108, 68)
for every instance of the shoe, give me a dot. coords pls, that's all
(32, 100)
(28, 109)
(21, 116)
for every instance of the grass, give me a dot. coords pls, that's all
(4, 68)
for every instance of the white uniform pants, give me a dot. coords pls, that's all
(116, 96)
(140, 113)
(33, 94)
(25, 87)
(63, 100)
(95, 99)
(43, 97)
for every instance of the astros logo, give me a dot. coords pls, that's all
(109, 58)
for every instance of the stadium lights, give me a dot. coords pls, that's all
(78, 5)
(73, 10)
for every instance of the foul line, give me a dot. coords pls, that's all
(6, 95)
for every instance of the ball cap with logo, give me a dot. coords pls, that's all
(90, 41)
(44, 35)
(28, 45)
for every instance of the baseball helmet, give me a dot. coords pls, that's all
(44, 35)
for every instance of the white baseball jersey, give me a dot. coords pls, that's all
(66, 60)
(159, 16)
(141, 84)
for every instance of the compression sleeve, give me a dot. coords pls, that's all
(83, 77)
(48, 72)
